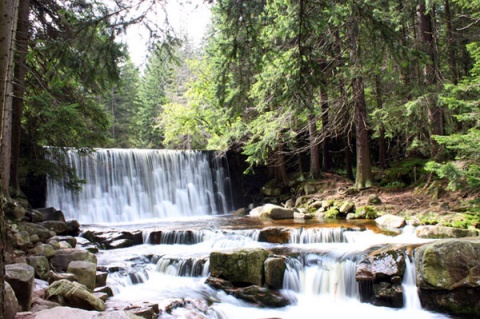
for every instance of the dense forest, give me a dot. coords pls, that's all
(304, 86)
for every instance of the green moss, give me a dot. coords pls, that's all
(332, 213)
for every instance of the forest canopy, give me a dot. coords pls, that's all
(304, 86)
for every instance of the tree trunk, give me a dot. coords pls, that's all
(452, 57)
(430, 71)
(346, 133)
(363, 177)
(327, 156)
(8, 13)
(315, 167)
(19, 90)
(281, 175)
(382, 152)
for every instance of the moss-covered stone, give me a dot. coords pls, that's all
(241, 267)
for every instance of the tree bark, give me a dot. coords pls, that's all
(315, 167)
(20, 70)
(382, 152)
(452, 57)
(430, 71)
(346, 133)
(327, 156)
(281, 175)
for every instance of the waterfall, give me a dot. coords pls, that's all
(410, 293)
(131, 185)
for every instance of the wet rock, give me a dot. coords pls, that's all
(274, 235)
(21, 278)
(34, 216)
(241, 267)
(381, 265)
(73, 294)
(41, 266)
(261, 296)
(382, 272)
(444, 232)
(39, 304)
(274, 272)
(114, 239)
(10, 306)
(101, 278)
(73, 227)
(189, 308)
(448, 276)
(59, 227)
(63, 257)
(85, 271)
(390, 221)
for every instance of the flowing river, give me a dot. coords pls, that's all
(187, 198)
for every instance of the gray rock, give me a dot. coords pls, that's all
(21, 278)
(14, 211)
(57, 226)
(53, 276)
(85, 271)
(72, 241)
(41, 266)
(21, 239)
(274, 235)
(373, 199)
(63, 257)
(274, 272)
(73, 294)
(10, 306)
(444, 232)
(101, 278)
(50, 213)
(390, 221)
(42, 232)
(46, 250)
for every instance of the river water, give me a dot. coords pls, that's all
(187, 195)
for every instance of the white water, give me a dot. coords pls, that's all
(322, 279)
(130, 185)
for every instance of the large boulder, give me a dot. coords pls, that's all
(50, 213)
(57, 226)
(10, 305)
(63, 257)
(441, 232)
(21, 278)
(390, 221)
(272, 211)
(383, 270)
(41, 266)
(241, 267)
(73, 294)
(448, 276)
(85, 271)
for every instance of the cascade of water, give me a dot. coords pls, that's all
(317, 235)
(125, 185)
(189, 267)
(410, 293)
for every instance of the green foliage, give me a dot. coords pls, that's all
(448, 171)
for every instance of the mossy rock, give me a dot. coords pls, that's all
(365, 212)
